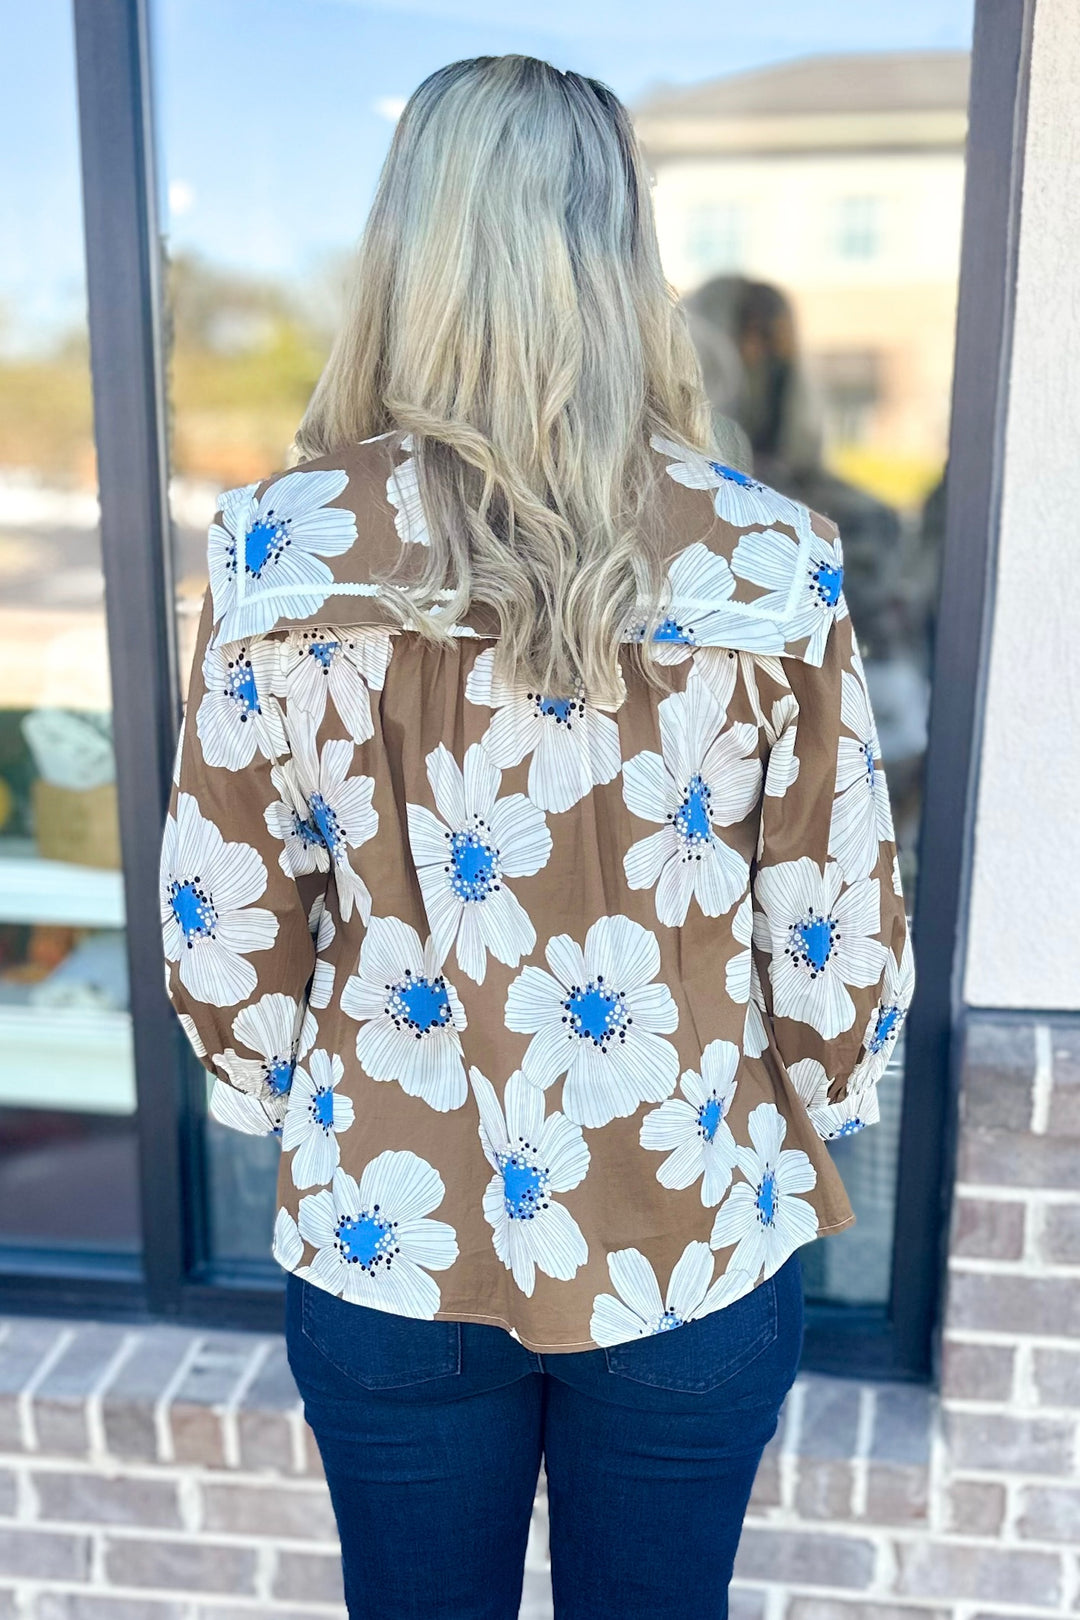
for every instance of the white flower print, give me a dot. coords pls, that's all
(820, 941)
(188, 1025)
(700, 613)
(803, 581)
(763, 1216)
(740, 500)
(755, 1035)
(344, 665)
(239, 715)
(637, 1309)
(315, 1115)
(709, 777)
(339, 811)
(244, 1112)
(693, 1130)
(738, 968)
(403, 493)
(898, 887)
(373, 1243)
(289, 818)
(321, 925)
(887, 1019)
(861, 817)
(598, 1018)
(855, 1110)
(574, 745)
(276, 542)
(464, 859)
(781, 729)
(280, 1030)
(178, 757)
(209, 922)
(288, 1246)
(533, 1158)
(411, 1015)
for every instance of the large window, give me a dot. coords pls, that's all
(67, 1086)
(809, 212)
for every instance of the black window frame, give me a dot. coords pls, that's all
(176, 1278)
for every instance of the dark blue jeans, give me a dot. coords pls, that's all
(432, 1434)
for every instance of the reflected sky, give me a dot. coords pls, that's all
(247, 89)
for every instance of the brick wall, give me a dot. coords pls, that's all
(161, 1474)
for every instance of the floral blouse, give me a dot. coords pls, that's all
(554, 1006)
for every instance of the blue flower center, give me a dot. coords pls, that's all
(474, 866)
(322, 1108)
(709, 1116)
(811, 941)
(279, 1073)
(766, 1198)
(888, 1023)
(306, 831)
(263, 543)
(826, 583)
(868, 761)
(671, 630)
(667, 1321)
(732, 475)
(422, 1004)
(365, 1240)
(692, 816)
(326, 824)
(240, 686)
(323, 652)
(595, 1014)
(524, 1186)
(193, 909)
(850, 1126)
(557, 709)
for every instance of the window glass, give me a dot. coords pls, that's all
(808, 184)
(67, 1141)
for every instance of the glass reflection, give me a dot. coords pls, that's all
(67, 1145)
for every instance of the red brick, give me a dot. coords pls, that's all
(278, 1510)
(896, 1493)
(43, 1554)
(958, 1571)
(1060, 1241)
(1050, 1513)
(976, 1372)
(60, 1399)
(744, 1603)
(263, 1419)
(998, 1074)
(180, 1566)
(23, 1347)
(94, 1499)
(823, 1488)
(1010, 1304)
(195, 1412)
(1057, 1377)
(804, 1558)
(975, 1507)
(1064, 1113)
(815, 1608)
(1007, 1444)
(314, 1577)
(996, 1158)
(766, 1492)
(128, 1403)
(85, 1606)
(987, 1229)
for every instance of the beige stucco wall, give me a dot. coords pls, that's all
(1024, 944)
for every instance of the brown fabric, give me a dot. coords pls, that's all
(764, 711)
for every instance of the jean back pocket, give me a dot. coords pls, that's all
(378, 1349)
(700, 1356)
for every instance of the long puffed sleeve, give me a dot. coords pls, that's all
(834, 969)
(238, 899)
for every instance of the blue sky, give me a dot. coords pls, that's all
(272, 114)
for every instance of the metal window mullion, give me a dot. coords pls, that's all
(124, 293)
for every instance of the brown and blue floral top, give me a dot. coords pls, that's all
(554, 1005)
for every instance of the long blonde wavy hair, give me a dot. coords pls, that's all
(510, 312)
